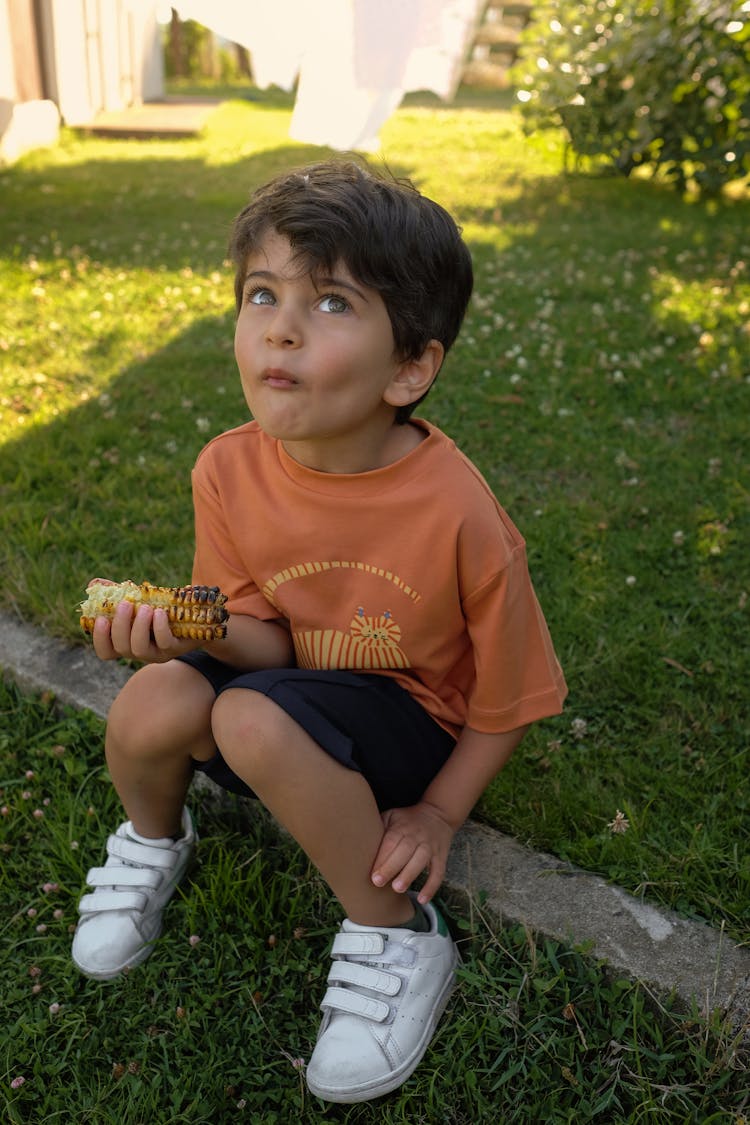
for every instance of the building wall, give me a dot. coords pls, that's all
(23, 44)
(7, 69)
(80, 57)
(27, 120)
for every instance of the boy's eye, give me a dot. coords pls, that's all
(333, 304)
(260, 297)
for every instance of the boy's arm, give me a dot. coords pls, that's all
(252, 643)
(419, 837)
(145, 636)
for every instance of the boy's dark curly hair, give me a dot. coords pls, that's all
(389, 236)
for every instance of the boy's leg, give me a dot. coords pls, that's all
(328, 809)
(160, 720)
(388, 984)
(157, 725)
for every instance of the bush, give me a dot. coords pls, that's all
(665, 86)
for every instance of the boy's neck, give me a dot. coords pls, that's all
(343, 457)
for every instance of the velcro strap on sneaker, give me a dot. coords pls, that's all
(143, 854)
(112, 900)
(363, 976)
(347, 1000)
(124, 877)
(357, 944)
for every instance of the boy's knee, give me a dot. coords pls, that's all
(159, 704)
(248, 729)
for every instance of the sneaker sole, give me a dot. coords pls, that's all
(396, 1078)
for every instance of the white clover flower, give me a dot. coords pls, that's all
(619, 825)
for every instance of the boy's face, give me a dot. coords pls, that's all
(317, 362)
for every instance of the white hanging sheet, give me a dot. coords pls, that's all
(276, 34)
(355, 58)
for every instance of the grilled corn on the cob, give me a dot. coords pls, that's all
(195, 612)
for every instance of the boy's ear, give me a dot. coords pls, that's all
(414, 377)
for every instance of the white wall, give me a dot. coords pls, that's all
(26, 125)
(148, 34)
(102, 55)
(73, 65)
(97, 55)
(7, 74)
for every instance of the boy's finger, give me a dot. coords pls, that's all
(161, 630)
(141, 640)
(410, 870)
(120, 628)
(432, 884)
(401, 866)
(102, 639)
(393, 853)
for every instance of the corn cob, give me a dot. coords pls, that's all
(195, 612)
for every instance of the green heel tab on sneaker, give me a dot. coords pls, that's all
(442, 925)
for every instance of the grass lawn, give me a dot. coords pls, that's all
(601, 384)
(218, 1023)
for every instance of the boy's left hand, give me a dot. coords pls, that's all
(416, 838)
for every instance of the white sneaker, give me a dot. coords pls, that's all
(387, 990)
(121, 920)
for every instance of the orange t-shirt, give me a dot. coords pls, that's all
(413, 571)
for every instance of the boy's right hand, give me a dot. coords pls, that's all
(138, 634)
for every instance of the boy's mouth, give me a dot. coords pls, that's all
(277, 377)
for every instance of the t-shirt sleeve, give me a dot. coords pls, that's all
(518, 678)
(217, 561)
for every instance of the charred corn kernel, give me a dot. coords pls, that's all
(195, 612)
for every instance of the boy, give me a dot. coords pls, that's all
(385, 651)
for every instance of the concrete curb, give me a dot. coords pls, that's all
(550, 897)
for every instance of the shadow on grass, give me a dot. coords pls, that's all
(105, 489)
(108, 208)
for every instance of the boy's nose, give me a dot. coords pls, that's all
(283, 330)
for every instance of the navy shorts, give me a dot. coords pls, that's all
(367, 722)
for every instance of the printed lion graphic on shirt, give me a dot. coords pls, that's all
(371, 643)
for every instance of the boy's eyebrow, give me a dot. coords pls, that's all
(319, 282)
(339, 283)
